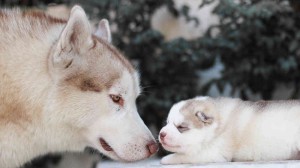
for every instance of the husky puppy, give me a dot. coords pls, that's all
(63, 89)
(205, 129)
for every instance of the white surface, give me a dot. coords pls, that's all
(155, 163)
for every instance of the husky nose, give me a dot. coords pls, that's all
(162, 135)
(152, 147)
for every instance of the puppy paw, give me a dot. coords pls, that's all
(167, 160)
(172, 159)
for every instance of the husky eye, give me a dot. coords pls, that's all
(182, 128)
(117, 99)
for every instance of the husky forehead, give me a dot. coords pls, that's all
(104, 66)
(128, 84)
(175, 115)
(115, 54)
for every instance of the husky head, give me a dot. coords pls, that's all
(190, 124)
(94, 96)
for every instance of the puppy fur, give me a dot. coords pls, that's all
(205, 129)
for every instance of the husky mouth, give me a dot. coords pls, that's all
(105, 145)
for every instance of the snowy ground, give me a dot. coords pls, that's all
(149, 163)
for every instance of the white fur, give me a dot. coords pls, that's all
(175, 116)
(245, 131)
(201, 98)
(56, 117)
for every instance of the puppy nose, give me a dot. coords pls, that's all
(152, 147)
(162, 135)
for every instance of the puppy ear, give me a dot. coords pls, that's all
(103, 30)
(204, 117)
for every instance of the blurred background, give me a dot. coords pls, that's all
(184, 48)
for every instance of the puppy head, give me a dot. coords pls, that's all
(190, 124)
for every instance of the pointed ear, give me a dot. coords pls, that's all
(77, 32)
(204, 117)
(103, 30)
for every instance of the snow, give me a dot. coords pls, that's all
(154, 162)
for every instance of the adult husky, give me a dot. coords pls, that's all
(63, 89)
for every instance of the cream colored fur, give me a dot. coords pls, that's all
(239, 131)
(56, 86)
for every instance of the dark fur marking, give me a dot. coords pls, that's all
(89, 85)
(68, 65)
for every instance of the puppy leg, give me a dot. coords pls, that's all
(175, 158)
(185, 159)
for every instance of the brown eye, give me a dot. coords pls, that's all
(182, 128)
(117, 99)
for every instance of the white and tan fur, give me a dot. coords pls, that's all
(206, 129)
(63, 89)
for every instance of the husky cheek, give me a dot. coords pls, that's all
(121, 136)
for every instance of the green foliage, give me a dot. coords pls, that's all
(259, 46)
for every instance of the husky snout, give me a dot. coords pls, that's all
(140, 145)
(152, 147)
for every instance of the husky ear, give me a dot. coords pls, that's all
(77, 32)
(204, 117)
(103, 30)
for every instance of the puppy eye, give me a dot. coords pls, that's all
(182, 128)
(117, 99)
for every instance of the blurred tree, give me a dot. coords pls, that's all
(295, 4)
(258, 44)
(30, 3)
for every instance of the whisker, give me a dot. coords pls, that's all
(143, 92)
(144, 87)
